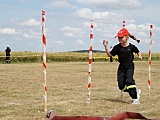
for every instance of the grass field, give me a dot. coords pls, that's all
(21, 90)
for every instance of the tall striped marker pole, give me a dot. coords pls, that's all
(149, 60)
(90, 63)
(124, 24)
(44, 58)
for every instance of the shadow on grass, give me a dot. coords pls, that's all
(117, 100)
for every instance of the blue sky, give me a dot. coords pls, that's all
(68, 23)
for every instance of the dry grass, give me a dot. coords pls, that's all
(21, 90)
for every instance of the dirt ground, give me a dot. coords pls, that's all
(21, 90)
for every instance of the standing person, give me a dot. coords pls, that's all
(8, 51)
(125, 71)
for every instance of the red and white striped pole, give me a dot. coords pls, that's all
(90, 62)
(149, 60)
(44, 58)
(124, 24)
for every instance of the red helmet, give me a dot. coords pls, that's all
(122, 32)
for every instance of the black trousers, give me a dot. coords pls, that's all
(8, 58)
(125, 79)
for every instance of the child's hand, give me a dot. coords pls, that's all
(140, 57)
(105, 43)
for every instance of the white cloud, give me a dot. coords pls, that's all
(58, 42)
(143, 27)
(61, 4)
(31, 34)
(84, 13)
(86, 24)
(25, 35)
(72, 31)
(87, 13)
(8, 31)
(132, 26)
(113, 4)
(30, 22)
(79, 41)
